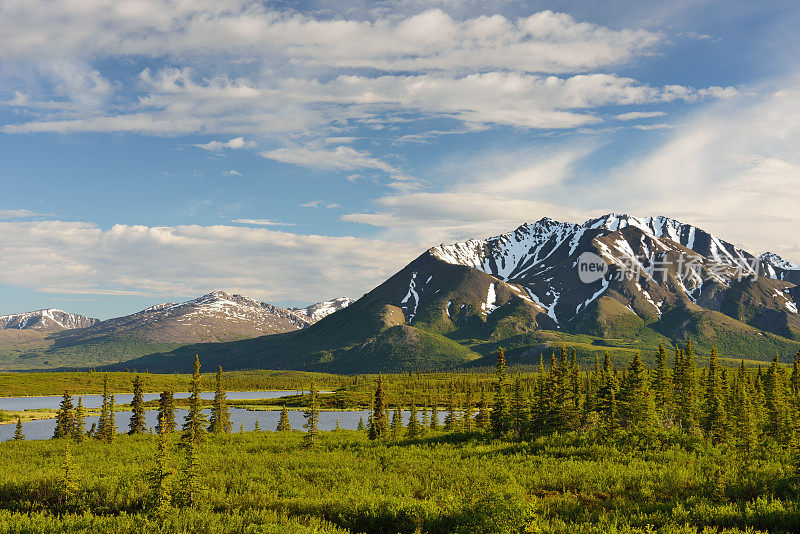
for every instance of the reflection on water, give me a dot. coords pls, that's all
(267, 420)
(94, 401)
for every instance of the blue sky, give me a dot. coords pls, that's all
(157, 150)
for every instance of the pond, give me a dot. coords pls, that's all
(240, 417)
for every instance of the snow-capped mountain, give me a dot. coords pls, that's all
(671, 263)
(46, 320)
(217, 316)
(320, 310)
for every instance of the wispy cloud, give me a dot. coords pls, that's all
(320, 204)
(217, 146)
(635, 115)
(261, 222)
(19, 214)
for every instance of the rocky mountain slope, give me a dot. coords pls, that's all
(320, 310)
(63, 339)
(663, 282)
(50, 320)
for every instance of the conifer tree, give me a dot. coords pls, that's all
(413, 429)
(79, 425)
(283, 422)
(111, 429)
(636, 408)
(379, 425)
(777, 412)
(607, 398)
(69, 482)
(397, 422)
(715, 420)
(520, 418)
(744, 422)
(482, 419)
(467, 419)
(360, 426)
(499, 417)
(312, 419)
(138, 423)
(451, 419)
(194, 424)
(335, 429)
(103, 423)
(685, 385)
(65, 418)
(661, 383)
(166, 413)
(190, 486)
(220, 416)
(18, 435)
(435, 415)
(160, 478)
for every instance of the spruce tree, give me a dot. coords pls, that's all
(220, 416)
(715, 420)
(744, 421)
(335, 429)
(194, 424)
(138, 423)
(661, 384)
(451, 419)
(435, 415)
(283, 422)
(65, 418)
(69, 482)
(636, 408)
(520, 418)
(607, 399)
(312, 419)
(103, 422)
(777, 410)
(18, 435)
(360, 426)
(500, 414)
(413, 429)
(111, 429)
(482, 419)
(397, 422)
(467, 419)
(79, 425)
(379, 425)
(166, 413)
(190, 484)
(160, 479)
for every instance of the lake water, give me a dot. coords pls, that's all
(267, 420)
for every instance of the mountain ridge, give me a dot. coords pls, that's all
(522, 289)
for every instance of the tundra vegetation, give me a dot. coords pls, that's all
(678, 448)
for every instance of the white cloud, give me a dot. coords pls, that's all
(542, 42)
(320, 204)
(81, 258)
(656, 126)
(217, 146)
(340, 158)
(18, 214)
(231, 173)
(635, 115)
(261, 222)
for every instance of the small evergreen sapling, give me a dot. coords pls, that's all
(283, 422)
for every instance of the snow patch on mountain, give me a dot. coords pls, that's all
(47, 319)
(320, 310)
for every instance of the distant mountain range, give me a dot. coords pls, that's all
(453, 306)
(54, 338)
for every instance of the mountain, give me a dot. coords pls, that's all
(50, 320)
(320, 310)
(662, 281)
(79, 341)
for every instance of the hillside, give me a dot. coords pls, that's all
(215, 317)
(454, 305)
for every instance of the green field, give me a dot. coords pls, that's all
(675, 448)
